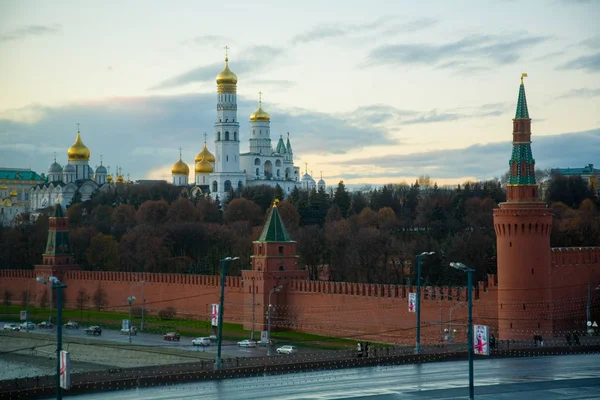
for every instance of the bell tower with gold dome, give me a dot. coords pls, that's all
(260, 131)
(79, 157)
(227, 174)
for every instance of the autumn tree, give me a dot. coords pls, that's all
(82, 299)
(243, 210)
(182, 210)
(100, 299)
(103, 253)
(310, 249)
(152, 212)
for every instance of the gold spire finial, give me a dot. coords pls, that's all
(180, 152)
(306, 168)
(523, 75)
(101, 159)
(78, 127)
(204, 137)
(275, 203)
(321, 174)
(259, 98)
(226, 53)
(54, 156)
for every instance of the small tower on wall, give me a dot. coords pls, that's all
(58, 255)
(274, 263)
(523, 225)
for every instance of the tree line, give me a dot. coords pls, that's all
(370, 235)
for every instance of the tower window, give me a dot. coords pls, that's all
(235, 136)
(280, 250)
(226, 158)
(226, 119)
(226, 135)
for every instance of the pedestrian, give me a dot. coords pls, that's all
(576, 338)
(367, 349)
(568, 336)
(492, 342)
(541, 340)
(358, 349)
(535, 340)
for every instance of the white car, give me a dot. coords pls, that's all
(287, 350)
(12, 327)
(31, 325)
(247, 343)
(201, 341)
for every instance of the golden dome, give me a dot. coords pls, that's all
(180, 168)
(3, 187)
(260, 114)
(205, 155)
(78, 151)
(203, 167)
(120, 179)
(109, 178)
(13, 193)
(226, 77)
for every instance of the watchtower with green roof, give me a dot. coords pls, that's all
(274, 264)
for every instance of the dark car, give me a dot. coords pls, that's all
(171, 336)
(93, 330)
(45, 325)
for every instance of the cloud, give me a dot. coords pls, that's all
(384, 25)
(593, 42)
(142, 133)
(211, 40)
(280, 84)
(583, 93)
(480, 160)
(29, 31)
(589, 63)
(459, 54)
(251, 60)
(549, 56)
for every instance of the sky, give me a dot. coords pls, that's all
(370, 92)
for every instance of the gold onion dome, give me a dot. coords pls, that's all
(180, 168)
(3, 187)
(226, 77)
(78, 151)
(205, 155)
(120, 179)
(260, 114)
(203, 167)
(109, 178)
(13, 193)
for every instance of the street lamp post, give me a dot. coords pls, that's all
(143, 306)
(130, 301)
(224, 262)
(469, 271)
(59, 287)
(38, 279)
(274, 290)
(418, 344)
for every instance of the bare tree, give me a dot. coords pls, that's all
(82, 299)
(100, 300)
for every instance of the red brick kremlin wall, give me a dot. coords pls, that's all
(367, 311)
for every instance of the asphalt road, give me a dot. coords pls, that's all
(573, 377)
(229, 347)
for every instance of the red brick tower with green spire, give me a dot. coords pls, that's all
(274, 263)
(523, 225)
(58, 255)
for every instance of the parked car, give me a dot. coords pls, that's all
(171, 336)
(264, 343)
(72, 325)
(45, 325)
(93, 330)
(287, 350)
(201, 341)
(247, 343)
(28, 326)
(126, 331)
(12, 327)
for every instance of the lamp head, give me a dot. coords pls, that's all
(427, 253)
(54, 280)
(41, 280)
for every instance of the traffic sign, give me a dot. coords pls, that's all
(595, 324)
(589, 323)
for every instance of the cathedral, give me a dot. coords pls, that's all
(77, 177)
(229, 169)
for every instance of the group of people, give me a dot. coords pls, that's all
(362, 348)
(538, 340)
(572, 338)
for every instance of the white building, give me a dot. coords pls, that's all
(76, 177)
(229, 169)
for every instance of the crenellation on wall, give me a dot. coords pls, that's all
(574, 256)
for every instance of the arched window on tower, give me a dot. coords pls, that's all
(227, 186)
(227, 135)
(257, 161)
(215, 186)
(234, 135)
(218, 136)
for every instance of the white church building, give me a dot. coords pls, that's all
(229, 169)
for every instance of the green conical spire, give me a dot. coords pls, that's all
(522, 111)
(281, 146)
(274, 230)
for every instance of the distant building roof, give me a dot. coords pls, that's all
(16, 174)
(587, 170)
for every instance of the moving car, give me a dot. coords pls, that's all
(72, 325)
(171, 336)
(28, 326)
(93, 330)
(45, 325)
(201, 341)
(126, 331)
(247, 343)
(12, 327)
(287, 350)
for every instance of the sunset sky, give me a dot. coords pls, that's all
(371, 92)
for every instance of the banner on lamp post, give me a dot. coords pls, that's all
(412, 302)
(214, 315)
(481, 340)
(65, 370)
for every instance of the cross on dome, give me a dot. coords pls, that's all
(180, 152)
(204, 137)
(226, 53)
(260, 97)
